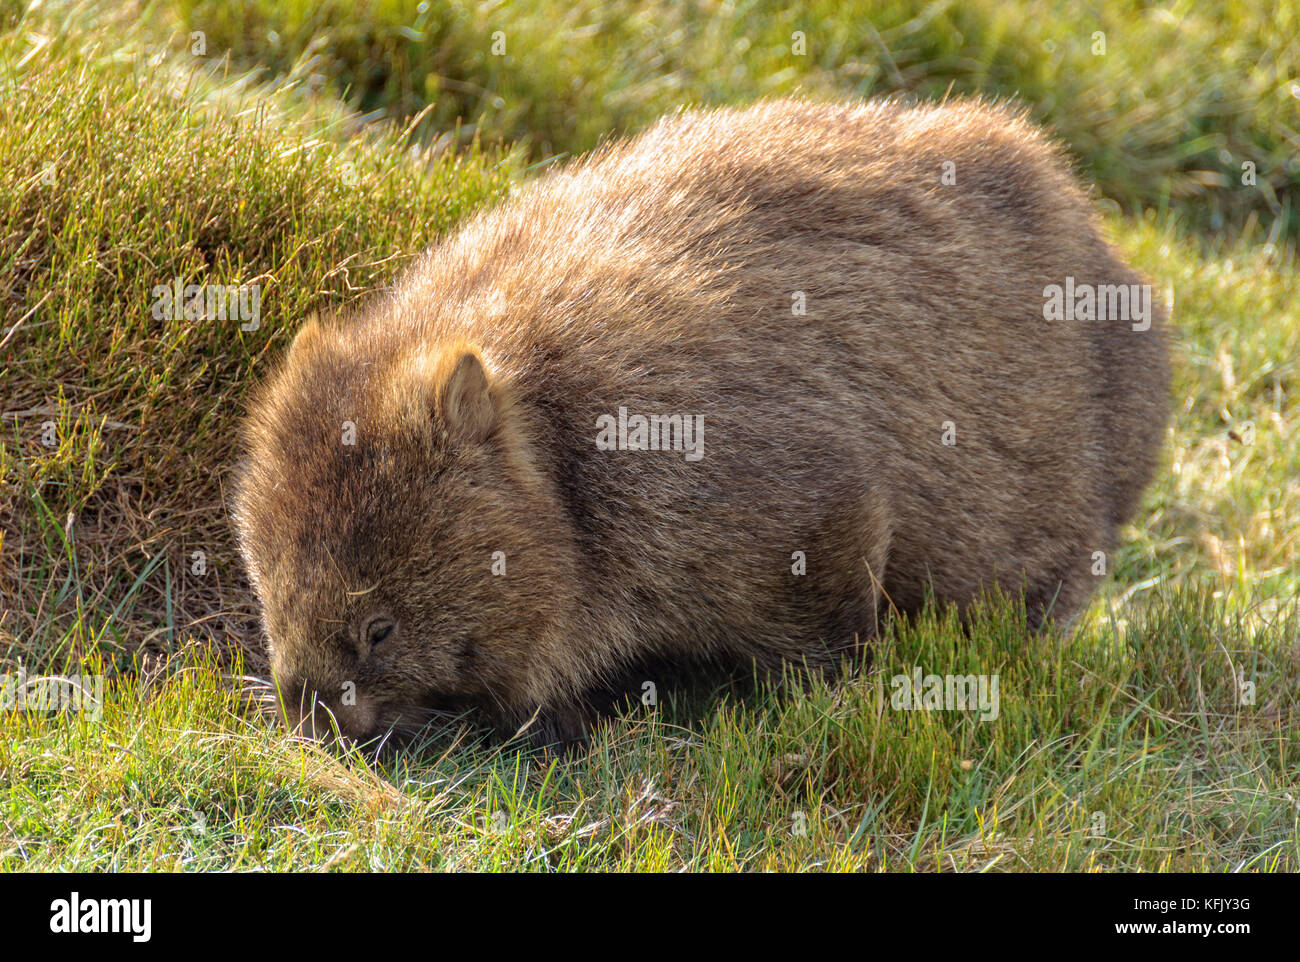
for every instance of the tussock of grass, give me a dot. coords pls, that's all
(158, 169)
(158, 165)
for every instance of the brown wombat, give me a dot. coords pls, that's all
(732, 389)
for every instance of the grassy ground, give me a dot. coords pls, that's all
(1129, 743)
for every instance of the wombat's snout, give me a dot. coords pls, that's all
(310, 715)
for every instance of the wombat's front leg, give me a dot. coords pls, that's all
(561, 728)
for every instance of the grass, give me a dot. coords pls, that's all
(201, 177)
(558, 75)
(1127, 751)
(126, 163)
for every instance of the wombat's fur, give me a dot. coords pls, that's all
(661, 276)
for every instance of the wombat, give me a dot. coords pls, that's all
(733, 389)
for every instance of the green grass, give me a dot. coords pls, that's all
(1140, 735)
(1164, 108)
(125, 162)
(193, 175)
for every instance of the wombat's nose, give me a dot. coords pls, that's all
(309, 715)
(300, 705)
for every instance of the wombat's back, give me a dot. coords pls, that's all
(669, 274)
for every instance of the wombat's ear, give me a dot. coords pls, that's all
(307, 335)
(464, 398)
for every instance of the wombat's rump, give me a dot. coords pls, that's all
(835, 319)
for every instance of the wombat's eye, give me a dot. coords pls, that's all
(377, 630)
